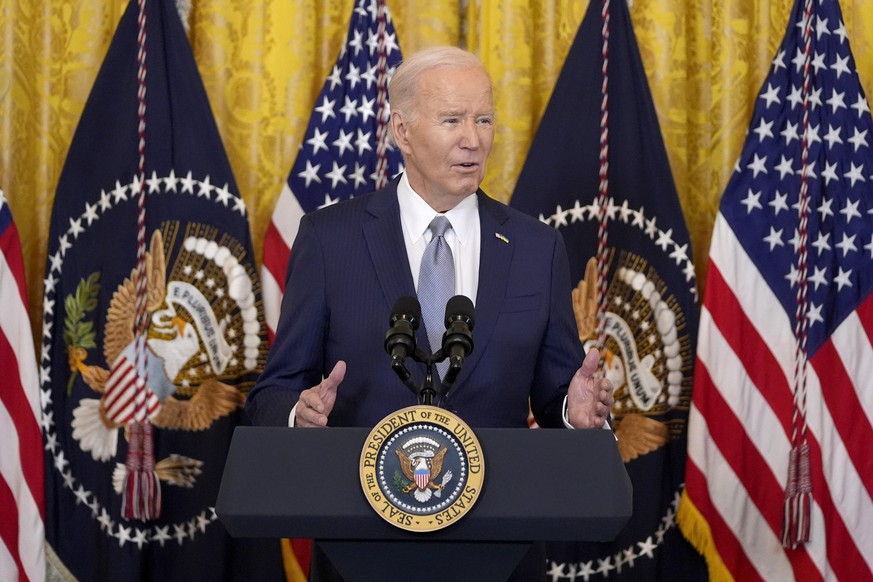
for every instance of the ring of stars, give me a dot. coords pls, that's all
(636, 217)
(624, 557)
(387, 487)
(119, 194)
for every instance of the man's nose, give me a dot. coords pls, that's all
(469, 134)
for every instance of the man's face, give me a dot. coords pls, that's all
(446, 146)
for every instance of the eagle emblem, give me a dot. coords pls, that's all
(645, 355)
(187, 345)
(421, 461)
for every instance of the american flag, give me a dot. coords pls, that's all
(752, 403)
(344, 152)
(21, 470)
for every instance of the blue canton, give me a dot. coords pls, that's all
(761, 202)
(337, 158)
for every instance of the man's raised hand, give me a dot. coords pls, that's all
(589, 399)
(315, 404)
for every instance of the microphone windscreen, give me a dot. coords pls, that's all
(459, 306)
(406, 306)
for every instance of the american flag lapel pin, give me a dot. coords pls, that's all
(501, 237)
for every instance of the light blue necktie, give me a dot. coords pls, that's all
(436, 285)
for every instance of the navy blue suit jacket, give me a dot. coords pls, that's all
(349, 265)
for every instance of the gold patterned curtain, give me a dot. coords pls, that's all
(263, 63)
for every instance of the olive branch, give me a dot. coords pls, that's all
(79, 332)
(400, 482)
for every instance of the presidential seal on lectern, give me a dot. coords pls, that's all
(422, 468)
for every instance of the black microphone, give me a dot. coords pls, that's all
(458, 339)
(400, 338)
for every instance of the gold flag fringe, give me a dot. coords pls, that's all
(696, 530)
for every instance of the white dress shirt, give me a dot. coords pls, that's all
(464, 237)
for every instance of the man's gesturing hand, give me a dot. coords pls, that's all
(316, 403)
(589, 399)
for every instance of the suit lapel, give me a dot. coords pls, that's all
(384, 237)
(494, 262)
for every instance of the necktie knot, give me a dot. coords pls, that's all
(439, 226)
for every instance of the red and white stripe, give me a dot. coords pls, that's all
(422, 478)
(127, 399)
(22, 507)
(740, 429)
(278, 239)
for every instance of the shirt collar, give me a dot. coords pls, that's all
(416, 214)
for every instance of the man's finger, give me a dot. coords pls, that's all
(329, 384)
(310, 410)
(606, 389)
(308, 418)
(319, 401)
(590, 363)
(311, 399)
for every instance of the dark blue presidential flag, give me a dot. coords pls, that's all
(204, 333)
(650, 303)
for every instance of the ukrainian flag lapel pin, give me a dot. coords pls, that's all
(501, 237)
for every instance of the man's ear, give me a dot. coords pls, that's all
(398, 129)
